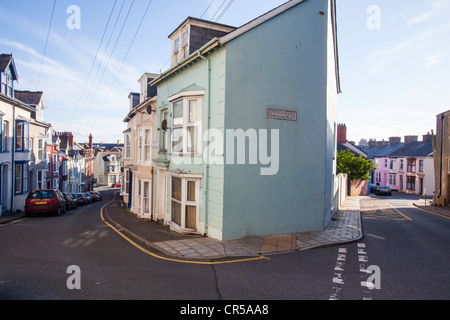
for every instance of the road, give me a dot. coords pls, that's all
(407, 250)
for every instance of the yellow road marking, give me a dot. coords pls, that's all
(172, 259)
(399, 212)
(435, 213)
(12, 222)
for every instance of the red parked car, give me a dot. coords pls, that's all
(45, 201)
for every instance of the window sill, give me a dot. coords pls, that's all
(178, 229)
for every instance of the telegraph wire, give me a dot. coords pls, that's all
(207, 8)
(95, 59)
(109, 59)
(218, 9)
(104, 52)
(46, 43)
(224, 10)
(203, 14)
(126, 55)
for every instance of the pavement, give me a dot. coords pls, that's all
(345, 227)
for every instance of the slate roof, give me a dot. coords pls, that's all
(28, 97)
(383, 151)
(413, 149)
(7, 60)
(358, 152)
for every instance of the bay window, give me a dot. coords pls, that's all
(127, 154)
(22, 136)
(142, 204)
(41, 179)
(21, 177)
(145, 146)
(186, 123)
(184, 202)
(5, 133)
(41, 150)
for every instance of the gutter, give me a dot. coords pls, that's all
(442, 146)
(13, 166)
(209, 138)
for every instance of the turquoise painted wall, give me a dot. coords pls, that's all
(211, 186)
(280, 64)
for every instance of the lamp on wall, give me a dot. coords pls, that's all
(149, 110)
(164, 125)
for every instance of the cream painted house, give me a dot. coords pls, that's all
(140, 139)
(39, 132)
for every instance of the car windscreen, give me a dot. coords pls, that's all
(41, 194)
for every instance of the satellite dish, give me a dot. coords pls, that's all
(149, 109)
(164, 125)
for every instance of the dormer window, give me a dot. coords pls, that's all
(192, 34)
(176, 45)
(7, 75)
(7, 83)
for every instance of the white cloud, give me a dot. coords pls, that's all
(435, 59)
(436, 6)
(423, 17)
(379, 59)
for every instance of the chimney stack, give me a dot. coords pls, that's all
(71, 140)
(427, 138)
(410, 139)
(341, 133)
(90, 141)
(394, 140)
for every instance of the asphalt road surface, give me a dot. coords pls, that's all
(405, 254)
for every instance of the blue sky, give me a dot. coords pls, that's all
(394, 58)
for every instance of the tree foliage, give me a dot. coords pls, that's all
(357, 168)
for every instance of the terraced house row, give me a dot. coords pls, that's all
(32, 155)
(238, 137)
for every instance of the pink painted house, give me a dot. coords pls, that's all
(405, 167)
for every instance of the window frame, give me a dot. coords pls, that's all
(4, 136)
(411, 165)
(127, 149)
(184, 202)
(24, 136)
(22, 168)
(144, 145)
(186, 98)
(411, 183)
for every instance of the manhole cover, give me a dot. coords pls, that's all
(186, 251)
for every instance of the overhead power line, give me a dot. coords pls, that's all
(224, 10)
(46, 43)
(107, 64)
(95, 59)
(207, 9)
(126, 55)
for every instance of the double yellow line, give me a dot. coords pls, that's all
(171, 259)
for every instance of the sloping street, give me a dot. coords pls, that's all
(406, 249)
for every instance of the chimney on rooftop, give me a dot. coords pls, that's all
(409, 139)
(341, 133)
(71, 140)
(427, 138)
(90, 141)
(394, 140)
